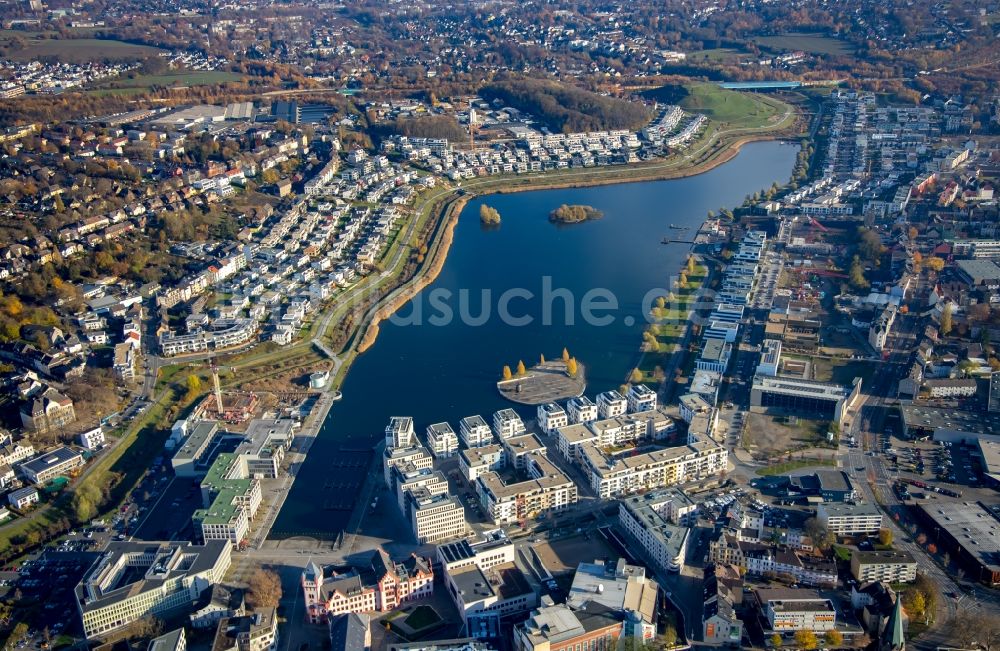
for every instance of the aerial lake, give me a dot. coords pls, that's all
(437, 369)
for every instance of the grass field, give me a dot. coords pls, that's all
(812, 43)
(736, 109)
(142, 83)
(80, 50)
(788, 466)
(716, 55)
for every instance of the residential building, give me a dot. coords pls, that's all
(474, 431)
(50, 465)
(131, 580)
(850, 519)
(216, 604)
(551, 417)
(641, 398)
(379, 584)
(519, 449)
(175, 640)
(950, 388)
(415, 458)
(350, 632)
(478, 461)
(796, 609)
(506, 423)
(613, 476)
(47, 411)
(723, 591)
(889, 566)
(581, 410)
(23, 498)
(483, 597)
(547, 490)
(124, 361)
(442, 440)
(611, 404)
(254, 632)
(92, 439)
(652, 521)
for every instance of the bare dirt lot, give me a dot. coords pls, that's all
(769, 434)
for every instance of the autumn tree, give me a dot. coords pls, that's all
(571, 367)
(806, 640)
(818, 532)
(946, 324)
(565, 355)
(521, 371)
(935, 264)
(776, 641)
(833, 638)
(885, 536)
(263, 589)
(506, 372)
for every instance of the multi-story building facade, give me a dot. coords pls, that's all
(380, 584)
(551, 417)
(506, 423)
(399, 433)
(612, 476)
(558, 628)
(652, 520)
(255, 632)
(50, 465)
(475, 432)
(581, 410)
(611, 404)
(442, 440)
(889, 566)
(435, 517)
(547, 490)
(850, 519)
(476, 462)
(131, 580)
(641, 398)
(415, 458)
(796, 609)
(47, 411)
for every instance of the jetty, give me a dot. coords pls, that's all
(545, 382)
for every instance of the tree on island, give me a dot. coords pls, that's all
(541, 358)
(521, 371)
(571, 367)
(489, 215)
(661, 302)
(565, 355)
(506, 372)
(566, 214)
(690, 264)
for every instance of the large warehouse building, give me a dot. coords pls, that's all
(970, 532)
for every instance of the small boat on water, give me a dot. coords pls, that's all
(678, 228)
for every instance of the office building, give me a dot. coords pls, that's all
(796, 609)
(192, 456)
(819, 399)
(50, 465)
(415, 458)
(484, 597)
(254, 632)
(435, 517)
(377, 583)
(131, 580)
(495, 549)
(399, 433)
(559, 628)
(970, 532)
(770, 358)
(621, 587)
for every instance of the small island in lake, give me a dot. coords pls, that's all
(566, 214)
(489, 215)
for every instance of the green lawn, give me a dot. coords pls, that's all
(736, 109)
(715, 55)
(422, 617)
(812, 43)
(82, 50)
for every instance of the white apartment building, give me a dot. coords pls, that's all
(547, 490)
(613, 477)
(791, 609)
(91, 439)
(611, 404)
(889, 566)
(442, 440)
(506, 423)
(414, 458)
(641, 398)
(581, 410)
(399, 433)
(646, 519)
(131, 580)
(551, 417)
(474, 431)
(850, 519)
(476, 462)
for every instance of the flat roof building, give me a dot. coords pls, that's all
(822, 399)
(970, 532)
(50, 465)
(889, 566)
